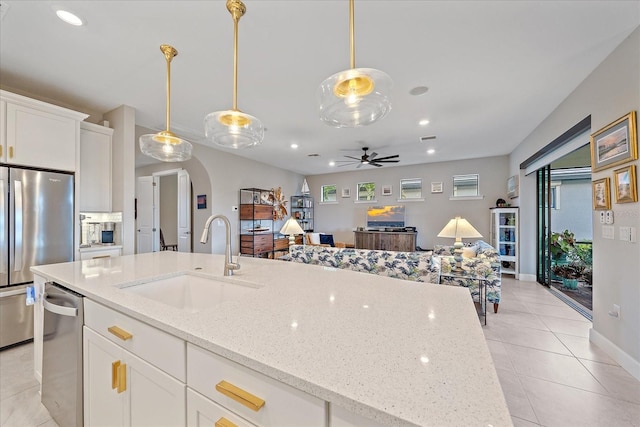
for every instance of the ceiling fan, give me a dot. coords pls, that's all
(370, 159)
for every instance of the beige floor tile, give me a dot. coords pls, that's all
(490, 333)
(515, 396)
(499, 355)
(16, 365)
(532, 338)
(563, 312)
(566, 326)
(582, 348)
(516, 318)
(557, 405)
(546, 299)
(519, 422)
(561, 369)
(23, 409)
(618, 382)
(49, 423)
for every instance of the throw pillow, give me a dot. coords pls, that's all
(469, 252)
(314, 238)
(327, 239)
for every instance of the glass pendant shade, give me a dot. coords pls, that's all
(355, 97)
(165, 145)
(233, 128)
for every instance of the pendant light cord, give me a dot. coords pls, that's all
(168, 91)
(352, 37)
(235, 61)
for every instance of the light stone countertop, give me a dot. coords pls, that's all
(399, 352)
(98, 247)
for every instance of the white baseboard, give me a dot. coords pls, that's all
(625, 360)
(527, 277)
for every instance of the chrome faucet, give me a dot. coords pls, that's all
(229, 265)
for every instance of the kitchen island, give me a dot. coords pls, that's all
(393, 351)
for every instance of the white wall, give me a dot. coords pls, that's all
(169, 208)
(430, 215)
(611, 91)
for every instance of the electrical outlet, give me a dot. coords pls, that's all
(615, 312)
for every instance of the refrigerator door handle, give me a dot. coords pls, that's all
(3, 226)
(12, 293)
(59, 309)
(17, 256)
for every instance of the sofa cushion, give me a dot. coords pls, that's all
(314, 238)
(327, 239)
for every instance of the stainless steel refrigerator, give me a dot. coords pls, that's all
(36, 228)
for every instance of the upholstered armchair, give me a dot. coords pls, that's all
(478, 259)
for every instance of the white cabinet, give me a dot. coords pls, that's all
(95, 168)
(93, 253)
(255, 397)
(3, 131)
(39, 134)
(120, 389)
(505, 237)
(133, 373)
(38, 326)
(202, 412)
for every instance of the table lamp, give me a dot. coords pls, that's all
(291, 228)
(459, 228)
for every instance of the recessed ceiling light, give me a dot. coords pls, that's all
(419, 90)
(431, 151)
(69, 17)
(423, 122)
(294, 146)
(332, 163)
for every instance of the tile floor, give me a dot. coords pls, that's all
(550, 373)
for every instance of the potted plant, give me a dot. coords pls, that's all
(561, 245)
(570, 273)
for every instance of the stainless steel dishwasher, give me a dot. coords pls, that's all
(62, 354)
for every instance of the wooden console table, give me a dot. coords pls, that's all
(403, 241)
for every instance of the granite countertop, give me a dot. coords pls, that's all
(399, 352)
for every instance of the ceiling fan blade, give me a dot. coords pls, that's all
(347, 164)
(378, 165)
(395, 156)
(354, 158)
(387, 161)
(372, 156)
(359, 165)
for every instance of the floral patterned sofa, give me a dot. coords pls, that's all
(483, 262)
(416, 266)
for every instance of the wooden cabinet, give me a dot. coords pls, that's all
(302, 210)
(39, 134)
(127, 380)
(95, 168)
(266, 402)
(505, 238)
(256, 222)
(386, 240)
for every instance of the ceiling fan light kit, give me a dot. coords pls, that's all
(165, 145)
(357, 96)
(233, 128)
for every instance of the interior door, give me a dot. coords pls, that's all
(184, 211)
(147, 235)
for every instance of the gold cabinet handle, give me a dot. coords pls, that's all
(114, 374)
(120, 333)
(11, 151)
(223, 422)
(239, 395)
(0, 150)
(122, 377)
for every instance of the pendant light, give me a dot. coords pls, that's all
(354, 97)
(233, 128)
(165, 145)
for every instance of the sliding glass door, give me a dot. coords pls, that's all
(543, 270)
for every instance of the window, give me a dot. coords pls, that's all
(366, 191)
(555, 195)
(465, 185)
(329, 193)
(411, 188)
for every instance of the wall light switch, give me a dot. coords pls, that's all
(633, 235)
(602, 220)
(625, 234)
(608, 232)
(608, 217)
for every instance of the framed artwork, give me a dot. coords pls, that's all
(436, 187)
(601, 195)
(202, 201)
(625, 184)
(346, 192)
(512, 187)
(386, 190)
(615, 143)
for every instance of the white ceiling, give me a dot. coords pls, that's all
(495, 69)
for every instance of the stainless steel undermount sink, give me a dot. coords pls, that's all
(192, 292)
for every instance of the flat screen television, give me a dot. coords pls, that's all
(385, 217)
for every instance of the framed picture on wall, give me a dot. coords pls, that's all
(615, 144)
(346, 192)
(436, 187)
(625, 184)
(513, 187)
(601, 195)
(386, 190)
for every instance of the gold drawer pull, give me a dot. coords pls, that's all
(240, 396)
(122, 377)
(11, 152)
(114, 373)
(120, 333)
(223, 422)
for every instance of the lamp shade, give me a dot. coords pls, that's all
(458, 228)
(291, 227)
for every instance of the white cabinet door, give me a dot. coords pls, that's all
(121, 389)
(202, 412)
(95, 168)
(41, 139)
(3, 132)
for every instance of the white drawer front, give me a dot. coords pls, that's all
(284, 405)
(203, 412)
(151, 344)
(106, 253)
